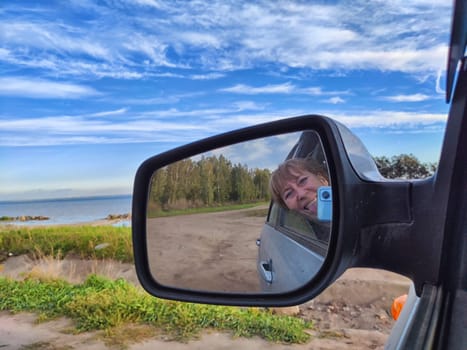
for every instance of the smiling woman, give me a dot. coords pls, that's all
(295, 184)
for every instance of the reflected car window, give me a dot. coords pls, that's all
(298, 228)
(274, 213)
(298, 223)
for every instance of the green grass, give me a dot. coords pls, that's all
(159, 213)
(113, 305)
(103, 304)
(59, 241)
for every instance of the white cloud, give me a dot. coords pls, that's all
(199, 39)
(52, 36)
(335, 100)
(231, 36)
(169, 75)
(390, 119)
(285, 88)
(181, 127)
(249, 152)
(260, 153)
(208, 76)
(151, 3)
(4, 53)
(407, 59)
(110, 113)
(408, 98)
(35, 88)
(314, 91)
(146, 44)
(82, 126)
(248, 105)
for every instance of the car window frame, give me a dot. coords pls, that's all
(277, 223)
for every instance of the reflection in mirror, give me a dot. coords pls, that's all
(243, 218)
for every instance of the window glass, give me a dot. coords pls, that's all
(273, 214)
(298, 223)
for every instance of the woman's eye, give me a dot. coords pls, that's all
(302, 180)
(287, 194)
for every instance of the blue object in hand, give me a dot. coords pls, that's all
(324, 203)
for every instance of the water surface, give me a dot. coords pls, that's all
(67, 210)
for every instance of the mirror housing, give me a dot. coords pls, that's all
(368, 214)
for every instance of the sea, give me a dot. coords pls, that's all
(67, 210)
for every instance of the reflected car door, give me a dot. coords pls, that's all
(290, 251)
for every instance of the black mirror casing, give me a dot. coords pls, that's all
(369, 216)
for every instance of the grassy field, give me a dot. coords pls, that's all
(103, 304)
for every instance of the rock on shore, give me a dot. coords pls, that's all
(118, 217)
(25, 218)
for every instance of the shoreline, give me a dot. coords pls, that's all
(97, 222)
(111, 219)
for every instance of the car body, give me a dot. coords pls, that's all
(417, 228)
(287, 239)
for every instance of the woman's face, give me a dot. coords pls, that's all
(300, 193)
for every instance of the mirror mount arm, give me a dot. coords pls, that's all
(382, 214)
(394, 234)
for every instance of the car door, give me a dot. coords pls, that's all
(287, 239)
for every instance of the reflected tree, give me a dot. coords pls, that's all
(211, 181)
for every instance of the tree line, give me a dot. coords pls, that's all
(404, 166)
(210, 181)
(216, 181)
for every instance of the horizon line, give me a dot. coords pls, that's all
(58, 199)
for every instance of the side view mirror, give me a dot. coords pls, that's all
(265, 215)
(210, 226)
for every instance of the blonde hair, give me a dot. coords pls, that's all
(288, 171)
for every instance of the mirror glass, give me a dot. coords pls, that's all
(253, 217)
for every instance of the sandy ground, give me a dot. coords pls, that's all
(215, 251)
(353, 313)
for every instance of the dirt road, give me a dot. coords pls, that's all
(215, 251)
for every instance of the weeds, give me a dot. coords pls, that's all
(59, 241)
(103, 304)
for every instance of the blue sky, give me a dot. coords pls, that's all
(89, 89)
